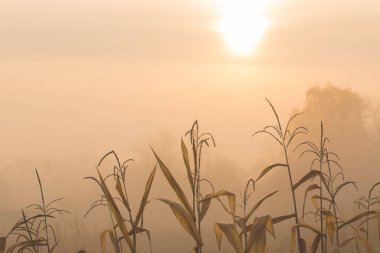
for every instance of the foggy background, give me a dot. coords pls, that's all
(81, 78)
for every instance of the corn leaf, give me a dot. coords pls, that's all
(119, 189)
(269, 168)
(345, 243)
(308, 189)
(140, 230)
(113, 240)
(116, 213)
(185, 155)
(314, 246)
(258, 204)
(310, 176)
(145, 196)
(3, 241)
(232, 236)
(358, 217)
(26, 244)
(177, 189)
(230, 196)
(257, 235)
(204, 208)
(282, 218)
(184, 219)
(330, 225)
(301, 225)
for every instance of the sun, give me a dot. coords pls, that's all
(242, 23)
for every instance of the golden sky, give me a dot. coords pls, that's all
(91, 75)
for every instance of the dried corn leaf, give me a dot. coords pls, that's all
(119, 189)
(257, 235)
(269, 168)
(358, 217)
(231, 234)
(314, 246)
(185, 155)
(113, 239)
(144, 199)
(184, 219)
(3, 241)
(330, 225)
(116, 213)
(230, 196)
(258, 204)
(177, 189)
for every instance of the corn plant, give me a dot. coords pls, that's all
(252, 237)
(120, 230)
(191, 216)
(367, 202)
(327, 183)
(36, 232)
(356, 237)
(285, 137)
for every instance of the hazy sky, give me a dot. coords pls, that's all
(81, 76)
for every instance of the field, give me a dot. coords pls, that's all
(307, 209)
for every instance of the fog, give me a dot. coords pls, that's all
(81, 78)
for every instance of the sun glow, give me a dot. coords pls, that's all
(243, 23)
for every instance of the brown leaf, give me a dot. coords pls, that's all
(113, 240)
(177, 189)
(144, 199)
(185, 155)
(257, 235)
(269, 168)
(258, 204)
(184, 219)
(232, 236)
(230, 196)
(116, 213)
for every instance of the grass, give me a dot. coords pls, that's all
(322, 185)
